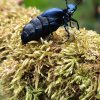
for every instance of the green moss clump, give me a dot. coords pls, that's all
(50, 69)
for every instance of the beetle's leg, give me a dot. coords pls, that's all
(70, 24)
(68, 35)
(75, 22)
(66, 24)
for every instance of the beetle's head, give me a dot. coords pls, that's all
(71, 8)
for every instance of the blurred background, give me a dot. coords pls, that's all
(87, 14)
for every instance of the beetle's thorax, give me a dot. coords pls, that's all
(67, 16)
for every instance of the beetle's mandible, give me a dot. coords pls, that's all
(48, 22)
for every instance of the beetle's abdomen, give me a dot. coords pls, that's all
(39, 27)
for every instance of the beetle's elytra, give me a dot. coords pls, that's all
(48, 22)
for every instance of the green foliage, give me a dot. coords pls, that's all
(44, 4)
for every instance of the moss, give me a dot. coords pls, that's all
(49, 69)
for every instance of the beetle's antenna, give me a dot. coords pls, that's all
(66, 2)
(78, 2)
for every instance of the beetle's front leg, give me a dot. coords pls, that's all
(75, 22)
(68, 35)
(65, 25)
(70, 24)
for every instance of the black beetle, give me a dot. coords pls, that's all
(48, 22)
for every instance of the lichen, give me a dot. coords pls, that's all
(56, 68)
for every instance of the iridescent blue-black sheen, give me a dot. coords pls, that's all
(48, 22)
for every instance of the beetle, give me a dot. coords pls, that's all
(48, 22)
